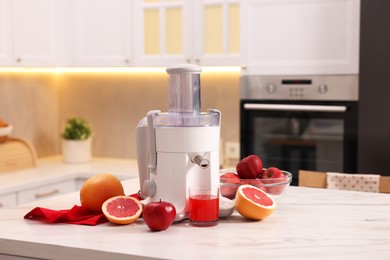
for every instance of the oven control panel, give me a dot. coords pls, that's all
(295, 87)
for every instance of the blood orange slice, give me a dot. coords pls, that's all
(253, 203)
(122, 209)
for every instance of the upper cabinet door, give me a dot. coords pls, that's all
(176, 31)
(217, 32)
(101, 32)
(5, 34)
(37, 32)
(300, 37)
(162, 32)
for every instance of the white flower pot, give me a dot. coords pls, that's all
(76, 151)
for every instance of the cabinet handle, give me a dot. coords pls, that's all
(288, 107)
(18, 60)
(45, 194)
(195, 61)
(1, 205)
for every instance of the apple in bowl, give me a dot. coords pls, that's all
(230, 182)
(273, 175)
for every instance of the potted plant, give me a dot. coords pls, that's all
(76, 140)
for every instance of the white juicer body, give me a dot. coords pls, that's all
(176, 171)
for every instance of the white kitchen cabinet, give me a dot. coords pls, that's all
(46, 190)
(47, 33)
(217, 35)
(5, 34)
(183, 31)
(37, 32)
(89, 33)
(287, 37)
(101, 32)
(8, 200)
(162, 32)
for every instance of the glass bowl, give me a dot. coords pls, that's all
(275, 187)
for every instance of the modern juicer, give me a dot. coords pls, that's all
(179, 148)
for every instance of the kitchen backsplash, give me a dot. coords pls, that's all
(38, 103)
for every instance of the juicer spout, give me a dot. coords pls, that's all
(201, 161)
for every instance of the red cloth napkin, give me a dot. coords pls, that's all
(76, 215)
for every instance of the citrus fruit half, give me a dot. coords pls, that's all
(253, 203)
(122, 209)
(97, 189)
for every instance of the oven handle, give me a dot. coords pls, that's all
(287, 107)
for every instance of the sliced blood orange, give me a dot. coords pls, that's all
(253, 203)
(122, 209)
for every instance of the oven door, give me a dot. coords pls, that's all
(294, 135)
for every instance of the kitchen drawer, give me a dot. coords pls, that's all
(46, 191)
(8, 200)
(79, 181)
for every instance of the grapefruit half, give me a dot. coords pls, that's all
(253, 203)
(122, 209)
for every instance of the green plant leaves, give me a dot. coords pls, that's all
(76, 129)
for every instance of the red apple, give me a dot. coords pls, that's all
(250, 167)
(273, 175)
(230, 182)
(255, 182)
(159, 215)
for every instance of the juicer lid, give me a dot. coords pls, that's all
(184, 68)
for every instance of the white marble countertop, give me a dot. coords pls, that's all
(308, 223)
(54, 169)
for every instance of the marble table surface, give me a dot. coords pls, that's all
(308, 223)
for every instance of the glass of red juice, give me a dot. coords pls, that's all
(204, 206)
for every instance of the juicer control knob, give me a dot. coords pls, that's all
(201, 161)
(149, 188)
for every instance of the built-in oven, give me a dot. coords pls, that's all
(300, 122)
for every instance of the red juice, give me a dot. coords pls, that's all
(204, 208)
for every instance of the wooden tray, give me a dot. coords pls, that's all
(16, 154)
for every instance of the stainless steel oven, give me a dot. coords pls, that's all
(300, 122)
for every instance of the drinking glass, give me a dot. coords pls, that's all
(204, 206)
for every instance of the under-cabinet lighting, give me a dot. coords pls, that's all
(108, 69)
(81, 69)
